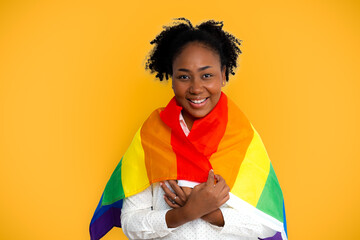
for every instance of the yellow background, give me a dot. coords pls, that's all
(73, 91)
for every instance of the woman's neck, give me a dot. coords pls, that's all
(189, 120)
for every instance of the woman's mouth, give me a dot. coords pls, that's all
(197, 103)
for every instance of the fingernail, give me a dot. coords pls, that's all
(161, 183)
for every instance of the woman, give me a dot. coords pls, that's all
(221, 184)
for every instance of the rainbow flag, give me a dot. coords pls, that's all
(224, 140)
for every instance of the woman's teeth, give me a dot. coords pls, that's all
(198, 101)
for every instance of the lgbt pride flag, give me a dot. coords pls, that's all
(224, 140)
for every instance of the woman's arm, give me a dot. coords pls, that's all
(139, 221)
(215, 218)
(204, 199)
(228, 220)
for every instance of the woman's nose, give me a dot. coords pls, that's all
(196, 87)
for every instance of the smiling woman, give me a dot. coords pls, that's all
(197, 168)
(197, 80)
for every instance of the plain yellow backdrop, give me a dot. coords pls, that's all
(73, 91)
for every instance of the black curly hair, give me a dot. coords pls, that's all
(170, 42)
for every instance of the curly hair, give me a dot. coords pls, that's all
(170, 42)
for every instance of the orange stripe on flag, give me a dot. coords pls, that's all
(155, 139)
(232, 148)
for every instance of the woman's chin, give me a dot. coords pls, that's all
(197, 114)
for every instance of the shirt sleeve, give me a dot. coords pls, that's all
(139, 221)
(240, 223)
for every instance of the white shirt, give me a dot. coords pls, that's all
(143, 217)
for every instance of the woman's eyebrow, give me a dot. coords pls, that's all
(199, 70)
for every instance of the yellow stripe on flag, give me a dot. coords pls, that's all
(134, 175)
(253, 172)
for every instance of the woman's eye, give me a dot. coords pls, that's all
(207, 75)
(183, 77)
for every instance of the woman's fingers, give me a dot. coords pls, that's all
(224, 193)
(167, 191)
(204, 198)
(224, 200)
(211, 178)
(173, 197)
(172, 204)
(221, 190)
(219, 180)
(181, 199)
(220, 183)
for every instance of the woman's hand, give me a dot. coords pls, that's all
(203, 201)
(206, 198)
(215, 217)
(177, 199)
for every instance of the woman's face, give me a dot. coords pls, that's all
(197, 80)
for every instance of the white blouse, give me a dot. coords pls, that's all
(143, 217)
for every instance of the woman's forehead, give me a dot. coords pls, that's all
(197, 54)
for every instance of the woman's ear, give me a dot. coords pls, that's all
(223, 75)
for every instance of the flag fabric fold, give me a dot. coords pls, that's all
(224, 140)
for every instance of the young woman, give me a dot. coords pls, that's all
(197, 168)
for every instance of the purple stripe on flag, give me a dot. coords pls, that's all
(277, 236)
(105, 223)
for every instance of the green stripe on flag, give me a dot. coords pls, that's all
(114, 189)
(271, 199)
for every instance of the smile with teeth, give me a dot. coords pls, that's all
(197, 101)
